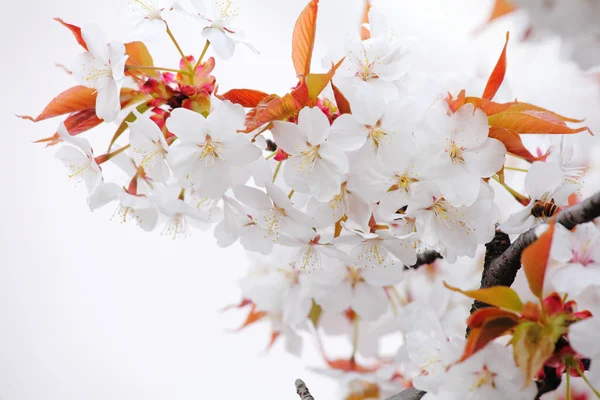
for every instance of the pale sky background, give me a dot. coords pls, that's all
(96, 310)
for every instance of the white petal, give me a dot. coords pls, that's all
(117, 59)
(543, 178)
(226, 120)
(108, 102)
(221, 44)
(253, 198)
(315, 124)
(91, 71)
(469, 126)
(369, 302)
(187, 125)
(347, 134)
(487, 159)
(96, 41)
(103, 195)
(290, 137)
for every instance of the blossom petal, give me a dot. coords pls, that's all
(188, 126)
(290, 137)
(487, 159)
(221, 44)
(315, 124)
(108, 103)
(96, 41)
(543, 178)
(347, 133)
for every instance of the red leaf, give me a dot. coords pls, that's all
(317, 82)
(271, 109)
(501, 7)
(499, 296)
(140, 56)
(364, 32)
(76, 32)
(513, 143)
(535, 260)
(77, 98)
(349, 366)
(252, 317)
(303, 40)
(341, 101)
(479, 317)
(247, 98)
(497, 75)
(492, 328)
(532, 122)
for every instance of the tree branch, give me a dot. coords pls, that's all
(424, 258)
(408, 394)
(501, 270)
(302, 390)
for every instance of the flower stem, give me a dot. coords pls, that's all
(140, 67)
(291, 193)
(105, 157)
(355, 337)
(585, 379)
(273, 154)
(518, 196)
(202, 55)
(277, 171)
(179, 48)
(516, 169)
(568, 387)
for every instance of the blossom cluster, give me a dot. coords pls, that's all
(338, 188)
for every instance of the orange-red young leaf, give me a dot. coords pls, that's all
(349, 366)
(501, 8)
(532, 122)
(520, 106)
(491, 329)
(140, 56)
(535, 259)
(76, 32)
(479, 317)
(247, 98)
(364, 32)
(533, 344)
(303, 40)
(272, 108)
(513, 143)
(76, 123)
(274, 337)
(317, 82)
(341, 101)
(497, 76)
(77, 98)
(252, 317)
(499, 296)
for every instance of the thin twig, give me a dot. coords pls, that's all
(302, 390)
(408, 394)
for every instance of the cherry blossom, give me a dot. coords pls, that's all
(131, 207)
(220, 32)
(102, 68)
(579, 250)
(211, 155)
(455, 231)
(461, 152)
(317, 164)
(544, 182)
(78, 157)
(149, 147)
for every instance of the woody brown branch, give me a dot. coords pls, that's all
(501, 269)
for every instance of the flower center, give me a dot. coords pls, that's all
(403, 182)
(309, 157)
(456, 153)
(584, 255)
(210, 150)
(483, 377)
(366, 68)
(354, 276)
(376, 134)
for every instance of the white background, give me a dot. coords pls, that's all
(93, 309)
